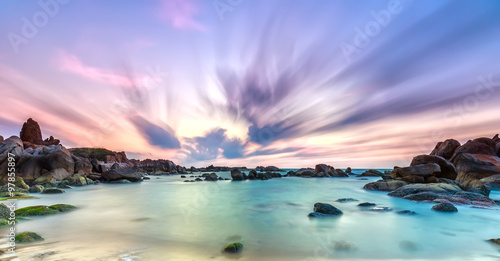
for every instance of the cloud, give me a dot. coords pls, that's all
(213, 144)
(156, 135)
(181, 13)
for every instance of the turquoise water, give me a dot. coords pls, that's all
(167, 219)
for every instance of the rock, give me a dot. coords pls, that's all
(120, 181)
(366, 204)
(444, 207)
(36, 189)
(344, 246)
(348, 170)
(1, 138)
(344, 200)
(236, 175)
(43, 210)
(475, 186)
(438, 188)
(252, 175)
(64, 186)
(77, 180)
(20, 183)
(45, 180)
(492, 182)
(446, 149)
(406, 212)
(473, 147)
(382, 185)
(408, 246)
(82, 164)
(448, 170)
(52, 191)
(416, 174)
(198, 179)
(495, 241)
(468, 198)
(476, 166)
(31, 132)
(12, 145)
(212, 177)
(372, 173)
(497, 149)
(327, 209)
(4, 211)
(120, 174)
(322, 168)
(423, 196)
(338, 173)
(233, 248)
(28, 237)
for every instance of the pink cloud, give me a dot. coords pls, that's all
(180, 13)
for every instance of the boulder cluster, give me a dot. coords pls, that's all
(49, 163)
(451, 173)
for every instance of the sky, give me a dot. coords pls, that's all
(365, 84)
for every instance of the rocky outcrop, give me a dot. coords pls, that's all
(372, 173)
(12, 145)
(237, 175)
(425, 173)
(117, 173)
(268, 168)
(446, 149)
(482, 146)
(476, 166)
(31, 132)
(438, 188)
(448, 170)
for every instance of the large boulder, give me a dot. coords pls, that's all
(338, 173)
(82, 164)
(448, 170)
(322, 170)
(425, 173)
(446, 149)
(13, 145)
(438, 188)
(477, 146)
(120, 174)
(385, 185)
(492, 182)
(476, 166)
(31, 132)
(237, 175)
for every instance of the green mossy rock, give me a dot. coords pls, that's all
(4, 222)
(36, 189)
(28, 237)
(43, 210)
(4, 211)
(15, 195)
(5, 188)
(20, 183)
(233, 248)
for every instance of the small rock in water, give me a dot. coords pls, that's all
(233, 248)
(52, 191)
(344, 246)
(327, 209)
(495, 241)
(408, 246)
(406, 212)
(366, 204)
(444, 207)
(28, 237)
(344, 200)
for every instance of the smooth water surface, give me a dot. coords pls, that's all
(167, 219)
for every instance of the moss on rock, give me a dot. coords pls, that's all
(28, 237)
(43, 210)
(4, 222)
(233, 248)
(15, 195)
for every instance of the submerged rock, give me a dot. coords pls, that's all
(28, 237)
(52, 191)
(407, 212)
(43, 210)
(344, 200)
(444, 207)
(366, 204)
(495, 241)
(233, 248)
(344, 246)
(322, 210)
